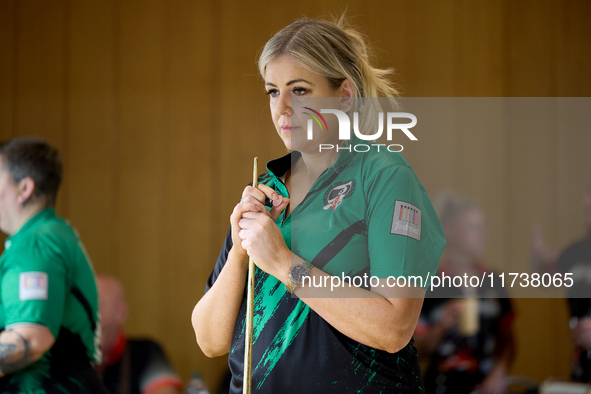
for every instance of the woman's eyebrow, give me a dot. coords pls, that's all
(290, 82)
(298, 80)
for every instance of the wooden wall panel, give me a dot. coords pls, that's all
(573, 168)
(244, 124)
(573, 62)
(542, 336)
(533, 39)
(531, 43)
(158, 110)
(40, 91)
(480, 167)
(429, 48)
(479, 48)
(92, 129)
(573, 55)
(191, 181)
(40, 74)
(386, 30)
(8, 27)
(530, 170)
(140, 162)
(434, 154)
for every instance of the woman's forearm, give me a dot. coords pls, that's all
(384, 321)
(215, 314)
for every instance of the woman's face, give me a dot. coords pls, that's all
(289, 85)
(468, 233)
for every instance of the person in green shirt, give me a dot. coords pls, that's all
(317, 217)
(49, 326)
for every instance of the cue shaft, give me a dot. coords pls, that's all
(246, 383)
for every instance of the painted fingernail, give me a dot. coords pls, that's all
(278, 202)
(268, 202)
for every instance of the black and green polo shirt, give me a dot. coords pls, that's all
(46, 278)
(367, 214)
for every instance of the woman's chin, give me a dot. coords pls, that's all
(286, 142)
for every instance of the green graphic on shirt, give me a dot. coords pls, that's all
(370, 371)
(284, 338)
(266, 303)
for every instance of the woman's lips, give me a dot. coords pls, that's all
(287, 128)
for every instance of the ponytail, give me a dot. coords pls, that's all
(375, 82)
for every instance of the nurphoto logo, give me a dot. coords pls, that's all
(345, 129)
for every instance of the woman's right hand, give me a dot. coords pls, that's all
(253, 200)
(214, 316)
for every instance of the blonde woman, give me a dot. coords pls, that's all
(331, 214)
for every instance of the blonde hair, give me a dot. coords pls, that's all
(336, 51)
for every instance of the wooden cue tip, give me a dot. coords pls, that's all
(255, 175)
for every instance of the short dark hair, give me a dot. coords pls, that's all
(35, 158)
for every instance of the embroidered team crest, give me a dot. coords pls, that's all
(33, 286)
(406, 220)
(335, 196)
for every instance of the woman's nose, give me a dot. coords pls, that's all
(284, 105)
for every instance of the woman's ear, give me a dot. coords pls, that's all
(347, 91)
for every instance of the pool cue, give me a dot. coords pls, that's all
(246, 383)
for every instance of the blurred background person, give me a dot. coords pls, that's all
(464, 335)
(48, 297)
(130, 366)
(576, 260)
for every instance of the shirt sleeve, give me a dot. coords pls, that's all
(405, 237)
(33, 287)
(221, 261)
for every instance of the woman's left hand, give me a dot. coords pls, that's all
(264, 243)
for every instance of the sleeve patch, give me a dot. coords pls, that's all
(33, 286)
(406, 220)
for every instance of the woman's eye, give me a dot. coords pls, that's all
(300, 91)
(273, 92)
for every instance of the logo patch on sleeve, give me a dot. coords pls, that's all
(33, 286)
(406, 220)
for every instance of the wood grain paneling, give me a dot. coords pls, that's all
(40, 74)
(8, 29)
(190, 131)
(92, 128)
